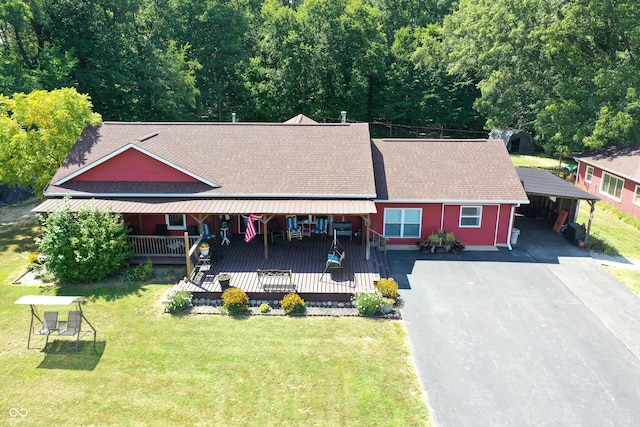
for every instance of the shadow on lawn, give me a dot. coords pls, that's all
(61, 354)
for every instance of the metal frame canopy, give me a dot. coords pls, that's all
(33, 300)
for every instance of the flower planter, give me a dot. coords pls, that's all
(225, 280)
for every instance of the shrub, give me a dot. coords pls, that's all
(235, 300)
(388, 288)
(178, 301)
(265, 307)
(140, 272)
(368, 303)
(84, 246)
(293, 304)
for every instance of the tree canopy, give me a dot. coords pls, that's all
(37, 131)
(565, 71)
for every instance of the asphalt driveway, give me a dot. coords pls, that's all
(541, 335)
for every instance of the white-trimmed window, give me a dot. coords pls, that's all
(588, 175)
(470, 216)
(611, 186)
(636, 195)
(176, 221)
(402, 222)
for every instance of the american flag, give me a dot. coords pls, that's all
(250, 233)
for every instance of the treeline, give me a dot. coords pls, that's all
(565, 71)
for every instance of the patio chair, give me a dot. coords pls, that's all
(321, 226)
(73, 326)
(274, 229)
(293, 231)
(49, 325)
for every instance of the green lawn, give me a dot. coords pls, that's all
(155, 369)
(552, 164)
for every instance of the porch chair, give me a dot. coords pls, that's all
(335, 256)
(293, 231)
(73, 326)
(274, 229)
(321, 226)
(206, 233)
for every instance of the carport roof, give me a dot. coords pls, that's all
(539, 182)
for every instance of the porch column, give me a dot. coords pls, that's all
(366, 241)
(186, 252)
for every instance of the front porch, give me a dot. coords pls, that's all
(305, 258)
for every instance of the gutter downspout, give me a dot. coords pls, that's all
(513, 211)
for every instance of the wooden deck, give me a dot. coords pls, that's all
(305, 258)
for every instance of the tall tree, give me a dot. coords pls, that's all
(321, 58)
(37, 131)
(567, 71)
(128, 76)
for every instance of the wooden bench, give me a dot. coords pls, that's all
(276, 280)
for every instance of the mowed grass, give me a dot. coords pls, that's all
(541, 161)
(151, 368)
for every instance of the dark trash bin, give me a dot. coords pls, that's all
(574, 233)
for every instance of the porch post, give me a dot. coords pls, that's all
(366, 240)
(186, 253)
(592, 203)
(265, 237)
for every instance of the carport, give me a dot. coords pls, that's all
(550, 196)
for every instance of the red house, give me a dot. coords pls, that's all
(169, 178)
(614, 174)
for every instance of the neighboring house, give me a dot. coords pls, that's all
(614, 174)
(168, 178)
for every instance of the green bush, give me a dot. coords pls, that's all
(235, 300)
(388, 288)
(265, 307)
(177, 301)
(140, 272)
(293, 304)
(84, 246)
(368, 303)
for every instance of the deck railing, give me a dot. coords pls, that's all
(161, 246)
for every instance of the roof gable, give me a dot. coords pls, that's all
(445, 171)
(131, 164)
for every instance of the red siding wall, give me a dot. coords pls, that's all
(628, 192)
(493, 230)
(133, 165)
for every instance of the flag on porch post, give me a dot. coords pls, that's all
(250, 233)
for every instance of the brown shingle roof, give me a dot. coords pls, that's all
(245, 159)
(624, 161)
(445, 170)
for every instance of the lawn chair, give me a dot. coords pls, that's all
(293, 231)
(49, 325)
(73, 326)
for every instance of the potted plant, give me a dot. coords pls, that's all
(204, 248)
(434, 241)
(458, 246)
(387, 305)
(423, 245)
(449, 240)
(383, 244)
